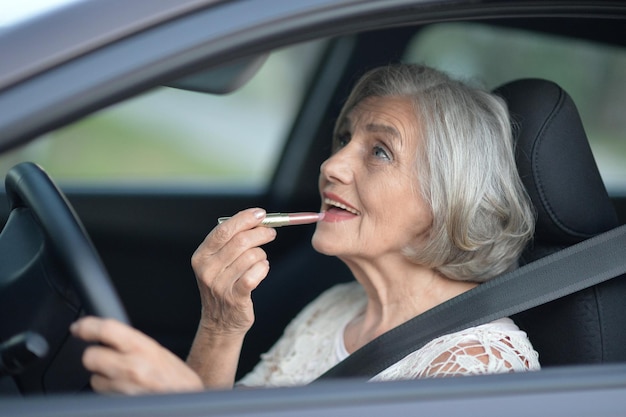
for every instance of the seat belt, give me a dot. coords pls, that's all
(572, 269)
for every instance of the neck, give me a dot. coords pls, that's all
(397, 290)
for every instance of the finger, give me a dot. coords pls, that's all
(243, 242)
(234, 258)
(114, 372)
(102, 360)
(105, 385)
(100, 384)
(243, 264)
(251, 279)
(223, 233)
(242, 228)
(110, 332)
(252, 266)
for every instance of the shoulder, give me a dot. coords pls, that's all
(499, 346)
(496, 347)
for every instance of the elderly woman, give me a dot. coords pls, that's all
(421, 200)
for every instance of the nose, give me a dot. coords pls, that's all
(339, 167)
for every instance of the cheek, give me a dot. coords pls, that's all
(408, 211)
(394, 194)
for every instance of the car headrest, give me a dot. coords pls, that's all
(556, 164)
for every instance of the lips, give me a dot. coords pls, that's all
(335, 204)
(338, 210)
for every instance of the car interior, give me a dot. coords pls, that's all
(145, 235)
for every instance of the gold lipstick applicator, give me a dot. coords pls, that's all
(285, 219)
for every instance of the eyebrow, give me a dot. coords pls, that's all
(379, 128)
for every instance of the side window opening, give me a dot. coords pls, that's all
(175, 137)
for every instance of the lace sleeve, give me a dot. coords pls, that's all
(476, 358)
(497, 347)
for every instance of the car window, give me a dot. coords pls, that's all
(173, 136)
(493, 56)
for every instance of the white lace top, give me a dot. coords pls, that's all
(313, 343)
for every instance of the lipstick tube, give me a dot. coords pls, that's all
(285, 219)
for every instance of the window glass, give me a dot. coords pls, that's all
(181, 137)
(593, 74)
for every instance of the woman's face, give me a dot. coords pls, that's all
(369, 186)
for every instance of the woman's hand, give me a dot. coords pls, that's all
(229, 265)
(129, 362)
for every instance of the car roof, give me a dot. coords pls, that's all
(78, 27)
(81, 26)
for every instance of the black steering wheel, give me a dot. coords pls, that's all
(50, 275)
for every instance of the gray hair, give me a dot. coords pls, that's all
(482, 215)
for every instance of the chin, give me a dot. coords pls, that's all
(323, 246)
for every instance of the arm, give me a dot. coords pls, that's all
(215, 357)
(228, 265)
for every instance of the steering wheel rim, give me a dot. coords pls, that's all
(29, 186)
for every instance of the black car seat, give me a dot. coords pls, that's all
(559, 172)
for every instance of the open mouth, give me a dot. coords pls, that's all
(337, 205)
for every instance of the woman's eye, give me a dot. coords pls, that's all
(380, 152)
(341, 140)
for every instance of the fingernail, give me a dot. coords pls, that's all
(259, 213)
